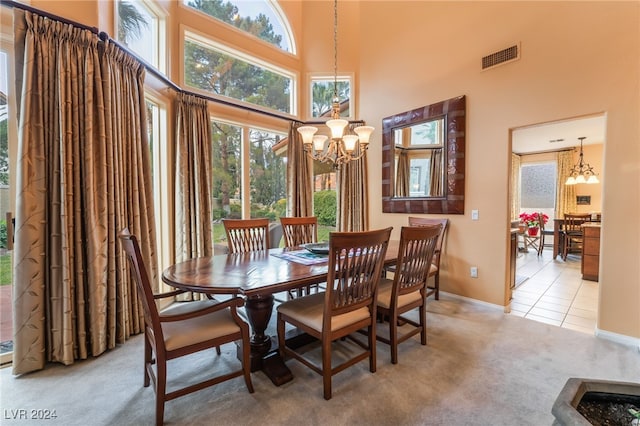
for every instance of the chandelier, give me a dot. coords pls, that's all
(581, 172)
(341, 147)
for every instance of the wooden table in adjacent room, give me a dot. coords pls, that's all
(557, 240)
(257, 276)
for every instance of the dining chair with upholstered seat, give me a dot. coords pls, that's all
(182, 329)
(407, 290)
(435, 265)
(245, 235)
(572, 232)
(347, 305)
(297, 231)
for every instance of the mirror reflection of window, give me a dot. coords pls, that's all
(418, 159)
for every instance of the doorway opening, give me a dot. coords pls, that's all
(549, 288)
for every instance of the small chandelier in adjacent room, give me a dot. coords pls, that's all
(581, 172)
(340, 148)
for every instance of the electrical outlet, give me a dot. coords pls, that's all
(473, 271)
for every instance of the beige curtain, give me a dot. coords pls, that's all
(353, 210)
(193, 217)
(566, 194)
(83, 174)
(299, 176)
(436, 174)
(402, 175)
(514, 182)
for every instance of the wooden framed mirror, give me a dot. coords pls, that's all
(423, 160)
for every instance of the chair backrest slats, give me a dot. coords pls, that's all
(245, 235)
(572, 221)
(355, 267)
(424, 221)
(417, 246)
(299, 230)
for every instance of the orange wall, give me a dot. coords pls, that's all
(578, 58)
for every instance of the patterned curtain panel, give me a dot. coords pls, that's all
(514, 182)
(299, 176)
(84, 174)
(193, 216)
(566, 195)
(402, 175)
(353, 208)
(435, 173)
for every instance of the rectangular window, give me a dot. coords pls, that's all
(538, 183)
(267, 176)
(141, 30)
(215, 69)
(322, 89)
(157, 139)
(226, 190)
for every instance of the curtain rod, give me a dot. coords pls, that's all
(150, 68)
(548, 151)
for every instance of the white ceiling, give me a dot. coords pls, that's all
(545, 137)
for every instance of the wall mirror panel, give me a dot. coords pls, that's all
(423, 161)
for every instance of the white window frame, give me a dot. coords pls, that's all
(277, 10)
(328, 77)
(207, 41)
(161, 42)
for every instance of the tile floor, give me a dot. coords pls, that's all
(555, 292)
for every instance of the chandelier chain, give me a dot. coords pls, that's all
(335, 49)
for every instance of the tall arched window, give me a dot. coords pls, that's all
(261, 18)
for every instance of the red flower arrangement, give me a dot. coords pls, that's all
(532, 219)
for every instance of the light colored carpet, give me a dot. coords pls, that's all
(480, 367)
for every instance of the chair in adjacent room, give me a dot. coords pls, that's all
(245, 235)
(347, 305)
(182, 329)
(572, 233)
(435, 265)
(408, 289)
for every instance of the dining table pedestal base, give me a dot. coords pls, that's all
(264, 348)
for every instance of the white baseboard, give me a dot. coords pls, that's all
(618, 338)
(474, 301)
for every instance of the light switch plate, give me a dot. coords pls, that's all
(474, 214)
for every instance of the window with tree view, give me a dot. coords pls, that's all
(259, 18)
(267, 176)
(139, 30)
(207, 67)
(322, 96)
(226, 187)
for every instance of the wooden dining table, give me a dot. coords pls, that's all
(256, 276)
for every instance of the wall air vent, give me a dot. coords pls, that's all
(498, 58)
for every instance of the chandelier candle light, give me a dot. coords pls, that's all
(340, 148)
(582, 172)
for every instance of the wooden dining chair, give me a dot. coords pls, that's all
(347, 305)
(299, 230)
(572, 237)
(408, 289)
(182, 329)
(244, 235)
(437, 254)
